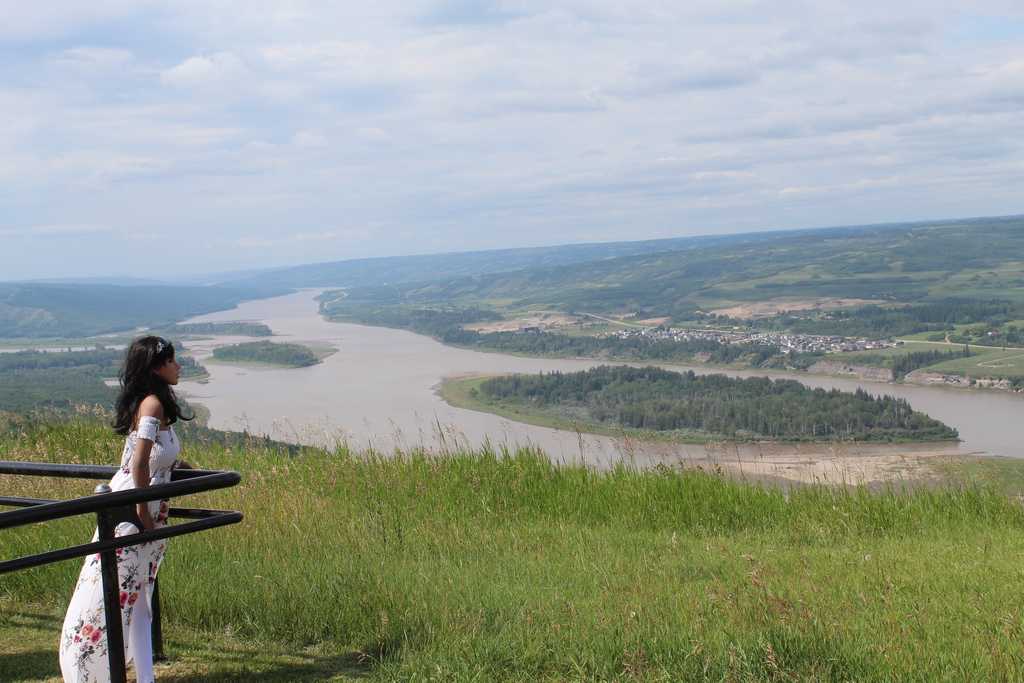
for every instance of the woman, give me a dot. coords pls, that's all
(145, 410)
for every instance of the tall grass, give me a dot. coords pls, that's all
(501, 566)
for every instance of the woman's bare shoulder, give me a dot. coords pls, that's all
(151, 407)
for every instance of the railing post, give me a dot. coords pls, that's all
(106, 524)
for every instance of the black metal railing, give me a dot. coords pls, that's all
(112, 508)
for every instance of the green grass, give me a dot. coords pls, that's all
(502, 566)
(924, 336)
(322, 352)
(1002, 282)
(1014, 294)
(986, 362)
(590, 329)
(871, 357)
(28, 653)
(1006, 474)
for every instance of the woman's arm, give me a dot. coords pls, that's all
(150, 407)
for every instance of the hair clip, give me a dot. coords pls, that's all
(161, 344)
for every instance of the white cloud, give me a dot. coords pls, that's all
(534, 101)
(700, 72)
(249, 242)
(119, 169)
(373, 136)
(723, 175)
(803, 190)
(1005, 83)
(330, 235)
(324, 52)
(220, 68)
(96, 56)
(257, 146)
(312, 139)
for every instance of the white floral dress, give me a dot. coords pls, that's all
(83, 643)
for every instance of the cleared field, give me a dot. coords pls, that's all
(1014, 294)
(925, 336)
(871, 357)
(590, 329)
(990, 363)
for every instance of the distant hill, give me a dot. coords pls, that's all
(68, 310)
(431, 267)
(977, 258)
(121, 280)
(435, 267)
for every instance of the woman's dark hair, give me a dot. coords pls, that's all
(141, 358)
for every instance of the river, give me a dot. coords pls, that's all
(378, 390)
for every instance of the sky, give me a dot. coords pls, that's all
(154, 138)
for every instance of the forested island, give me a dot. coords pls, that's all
(235, 329)
(689, 406)
(267, 353)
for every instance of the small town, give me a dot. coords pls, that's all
(800, 343)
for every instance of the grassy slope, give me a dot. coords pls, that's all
(984, 361)
(993, 363)
(428, 267)
(982, 259)
(77, 311)
(469, 566)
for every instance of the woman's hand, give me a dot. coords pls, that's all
(142, 510)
